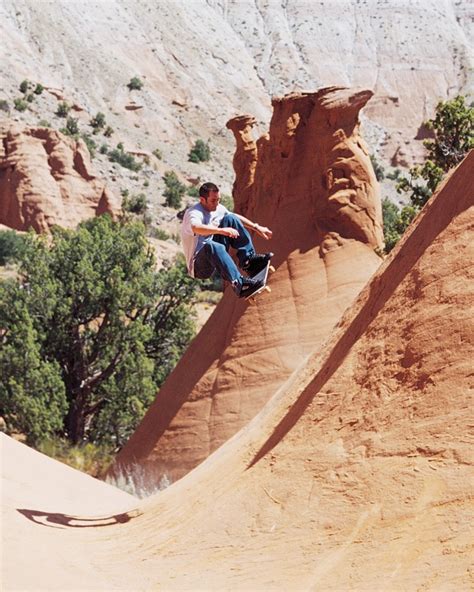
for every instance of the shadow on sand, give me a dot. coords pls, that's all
(57, 520)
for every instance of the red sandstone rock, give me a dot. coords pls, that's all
(357, 475)
(47, 179)
(312, 182)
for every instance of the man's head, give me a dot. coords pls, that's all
(209, 196)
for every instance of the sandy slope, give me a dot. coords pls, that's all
(357, 475)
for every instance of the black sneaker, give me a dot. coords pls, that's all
(249, 286)
(256, 263)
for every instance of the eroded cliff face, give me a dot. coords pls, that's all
(47, 179)
(311, 181)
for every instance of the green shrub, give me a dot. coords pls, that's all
(103, 149)
(72, 127)
(157, 152)
(91, 145)
(159, 233)
(136, 204)
(135, 83)
(174, 190)
(193, 191)
(39, 88)
(98, 122)
(24, 86)
(20, 104)
(11, 246)
(124, 159)
(44, 123)
(378, 168)
(63, 109)
(91, 294)
(108, 131)
(200, 152)
(90, 458)
(4, 106)
(146, 183)
(30, 97)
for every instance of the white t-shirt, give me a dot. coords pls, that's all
(193, 243)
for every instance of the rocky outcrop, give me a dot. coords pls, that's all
(46, 179)
(411, 53)
(310, 180)
(357, 475)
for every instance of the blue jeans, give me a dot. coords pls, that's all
(214, 255)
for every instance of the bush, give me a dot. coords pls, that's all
(103, 149)
(63, 109)
(135, 83)
(30, 97)
(4, 106)
(174, 190)
(108, 131)
(157, 153)
(20, 104)
(93, 459)
(24, 86)
(124, 159)
(44, 123)
(136, 204)
(378, 168)
(11, 246)
(39, 88)
(72, 127)
(453, 127)
(159, 233)
(395, 222)
(193, 191)
(91, 145)
(98, 122)
(200, 152)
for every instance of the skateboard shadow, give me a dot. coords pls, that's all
(58, 520)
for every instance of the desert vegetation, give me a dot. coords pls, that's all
(89, 331)
(453, 130)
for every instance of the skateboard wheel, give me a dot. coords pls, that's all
(267, 289)
(271, 268)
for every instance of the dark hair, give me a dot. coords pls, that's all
(207, 188)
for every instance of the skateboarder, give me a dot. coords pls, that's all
(208, 231)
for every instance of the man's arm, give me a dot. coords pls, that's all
(207, 229)
(263, 231)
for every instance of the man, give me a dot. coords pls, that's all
(208, 231)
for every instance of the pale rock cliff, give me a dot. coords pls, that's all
(311, 181)
(203, 62)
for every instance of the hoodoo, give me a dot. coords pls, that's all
(311, 181)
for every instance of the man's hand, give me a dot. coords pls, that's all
(263, 231)
(228, 231)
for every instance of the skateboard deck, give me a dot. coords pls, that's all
(262, 275)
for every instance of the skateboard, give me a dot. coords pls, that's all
(262, 275)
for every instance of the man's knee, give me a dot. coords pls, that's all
(229, 220)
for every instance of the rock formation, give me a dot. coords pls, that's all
(411, 53)
(357, 475)
(311, 181)
(46, 179)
